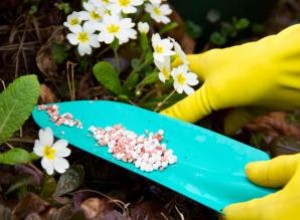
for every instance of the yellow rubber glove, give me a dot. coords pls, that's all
(265, 73)
(283, 171)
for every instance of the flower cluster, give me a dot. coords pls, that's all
(104, 21)
(168, 50)
(53, 154)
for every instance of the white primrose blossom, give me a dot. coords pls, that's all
(84, 38)
(180, 56)
(162, 48)
(93, 15)
(52, 153)
(183, 79)
(116, 27)
(101, 3)
(155, 1)
(125, 6)
(159, 12)
(164, 69)
(143, 27)
(73, 21)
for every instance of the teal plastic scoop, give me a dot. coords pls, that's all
(210, 166)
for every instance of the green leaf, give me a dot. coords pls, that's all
(218, 39)
(241, 24)
(70, 180)
(170, 26)
(192, 29)
(106, 74)
(16, 104)
(48, 186)
(22, 180)
(131, 81)
(59, 53)
(149, 79)
(16, 156)
(135, 63)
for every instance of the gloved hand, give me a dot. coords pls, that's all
(283, 171)
(265, 73)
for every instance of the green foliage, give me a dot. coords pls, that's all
(217, 38)
(106, 74)
(192, 29)
(16, 104)
(241, 24)
(48, 186)
(17, 156)
(65, 7)
(59, 53)
(70, 180)
(20, 182)
(168, 27)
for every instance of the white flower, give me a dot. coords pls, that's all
(93, 15)
(73, 21)
(183, 79)
(101, 3)
(155, 1)
(162, 48)
(115, 27)
(52, 153)
(143, 27)
(159, 12)
(84, 38)
(125, 6)
(164, 69)
(180, 56)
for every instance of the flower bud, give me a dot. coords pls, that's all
(143, 27)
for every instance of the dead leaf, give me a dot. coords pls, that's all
(147, 210)
(274, 125)
(30, 203)
(46, 95)
(284, 145)
(33, 216)
(44, 60)
(93, 207)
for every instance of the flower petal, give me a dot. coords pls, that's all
(72, 38)
(84, 49)
(60, 164)
(46, 136)
(61, 148)
(38, 148)
(48, 166)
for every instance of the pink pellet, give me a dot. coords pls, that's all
(63, 119)
(146, 151)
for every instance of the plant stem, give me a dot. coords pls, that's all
(164, 101)
(138, 68)
(117, 59)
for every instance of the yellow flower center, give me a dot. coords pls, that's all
(49, 152)
(176, 60)
(95, 15)
(83, 37)
(74, 21)
(159, 49)
(181, 79)
(105, 1)
(112, 29)
(157, 11)
(124, 3)
(165, 72)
